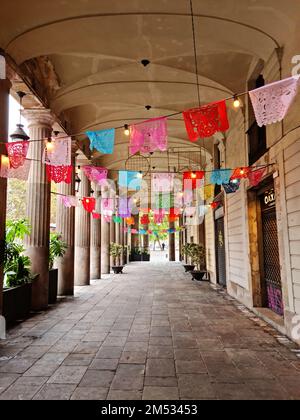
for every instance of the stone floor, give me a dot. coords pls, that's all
(149, 334)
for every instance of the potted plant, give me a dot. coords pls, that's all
(145, 255)
(116, 252)
(57, 249)
(135, 255)
(198, 257)
(186, 250)
(17, 275)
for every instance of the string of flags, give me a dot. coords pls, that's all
(271, 104)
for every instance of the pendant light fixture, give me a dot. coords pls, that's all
(19, 134)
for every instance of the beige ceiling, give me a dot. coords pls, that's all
(95, 47)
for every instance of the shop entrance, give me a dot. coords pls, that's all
(220, 247)
(270, 265)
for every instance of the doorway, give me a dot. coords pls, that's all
(220, 247)
(270, 264)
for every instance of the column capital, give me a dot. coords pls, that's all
(39, 117)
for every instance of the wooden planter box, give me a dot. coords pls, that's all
(53, 286)
(17, 303)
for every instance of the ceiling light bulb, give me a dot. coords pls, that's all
(236, 102)
(5, 161)
(126, 130)
(87, 201)
(50, 146)
(194, 175)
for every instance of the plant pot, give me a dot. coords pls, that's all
(145, 257)
(17, 303)
(188, 268)
(118, 269)
(53, 286)
(198, 275)
(135, 258)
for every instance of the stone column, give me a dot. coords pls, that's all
(172, 249)
(82, 236)
(122, 241)
(38, 206)
(65, 225)
(202, 233)
(118, 233)
(126, 243)
(112, 237)
(105, 236)
(4, 107)
(135, 238)
(146, 239)
(181, 239)
(96, 240)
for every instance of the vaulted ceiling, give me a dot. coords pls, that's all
(88, 55)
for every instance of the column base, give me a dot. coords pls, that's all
(82, 266)
(95, 263)
(65, 267)
(39, 266)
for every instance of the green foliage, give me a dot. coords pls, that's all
(115, 251)
(197, 254)
(57, 248)
(16, 265)
(17, 229)
(16, 199)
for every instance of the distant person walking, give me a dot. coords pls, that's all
(163, 246)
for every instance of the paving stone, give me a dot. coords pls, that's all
(153, 381)
(196, 387)
(127, 383)
(68, 375)
(42, 369)
(268, 389)
(87, 348)
(17, 365)
(160, 341)
(97, 378)
(90, 394)
(54, 392)
(195, 366)
(134, 357)
(34, 352)
(136, 346)
(19, 392)
(160, 332)
(104, 364)
(109, 353)
(78, 359)
(124, 395)
(160, 393)
(163, 352)
(53, 358)
(64, 346)
(130, 370)
(235, 392)
(160, 367)
(7, 379)
(115, 342)
(187, 354)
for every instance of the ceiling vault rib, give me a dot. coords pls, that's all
(91, 16)
(142, 81)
